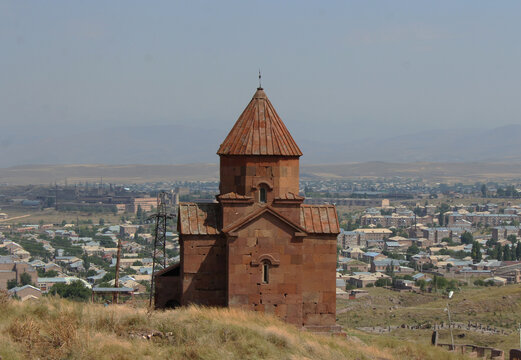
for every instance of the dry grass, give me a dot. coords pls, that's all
(494, 306)
(57, 329)
(51, 216)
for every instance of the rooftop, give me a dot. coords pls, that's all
(259, 131)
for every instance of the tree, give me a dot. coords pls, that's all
(50, 273)
(448, 241)
(499, 252)
(512, 238)
(443, 208)
(382, 282)
(25, 279)
(101, 221)
(107, 243)
(413, 250)
(91, 273)
(518, 251)
(439, 282)
(467, 238)
(476, 252)
(484, 190)
(506, 253)
(11, 284)
(76, 290)
(139, 214)
(418, 211)
(421, 283)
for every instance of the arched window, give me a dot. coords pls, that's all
(265, 272)
(262, 195)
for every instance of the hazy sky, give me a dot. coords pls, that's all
(337, 68)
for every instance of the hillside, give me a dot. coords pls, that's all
(137, 173)
(494, 308)
(174, 144)
(55, 329)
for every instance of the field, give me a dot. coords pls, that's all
(496, 307)
(135, 173)
(57, 329)
(51, 216)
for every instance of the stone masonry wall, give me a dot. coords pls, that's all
(266, 239)
(318, 287)
(240, 174)
(204, 270)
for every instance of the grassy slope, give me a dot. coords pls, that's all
(496, 306)
(56, 329)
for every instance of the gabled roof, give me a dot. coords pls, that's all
(234, 197)
(20, 288)
(254, 215)
(199, 218)
(204, 219)
(259, 131)
(319, 219)
(289, 196)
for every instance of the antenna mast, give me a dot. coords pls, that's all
(159, 253)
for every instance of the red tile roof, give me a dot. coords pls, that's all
(319, 219)
(259, 131)
(199, 219)
(203, 219)
(234, 196)
(289, 196)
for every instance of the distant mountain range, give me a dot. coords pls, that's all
(176, 144)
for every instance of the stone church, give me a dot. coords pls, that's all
(258, 246)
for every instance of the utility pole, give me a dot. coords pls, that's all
(159, 253)
(450, 321)
(519, 336)
(116, 279)
(450, 328)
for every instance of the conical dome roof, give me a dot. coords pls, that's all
(259, 131)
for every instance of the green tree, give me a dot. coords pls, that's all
(499, 252)
(448, 241)
(413, 250)
(418, 211)
(421, 283)
(443, 208)
(50, 273)
(439, 282)
(101, 221)
(382, 282)
(139, 214)
(76, 290)
(506, 253)
(484, 190)
(11, 284)
(476, 252)
(512, 238)
(90, 272)
(518, 251)
(107, 242)
(467, 238)
(25, 279)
